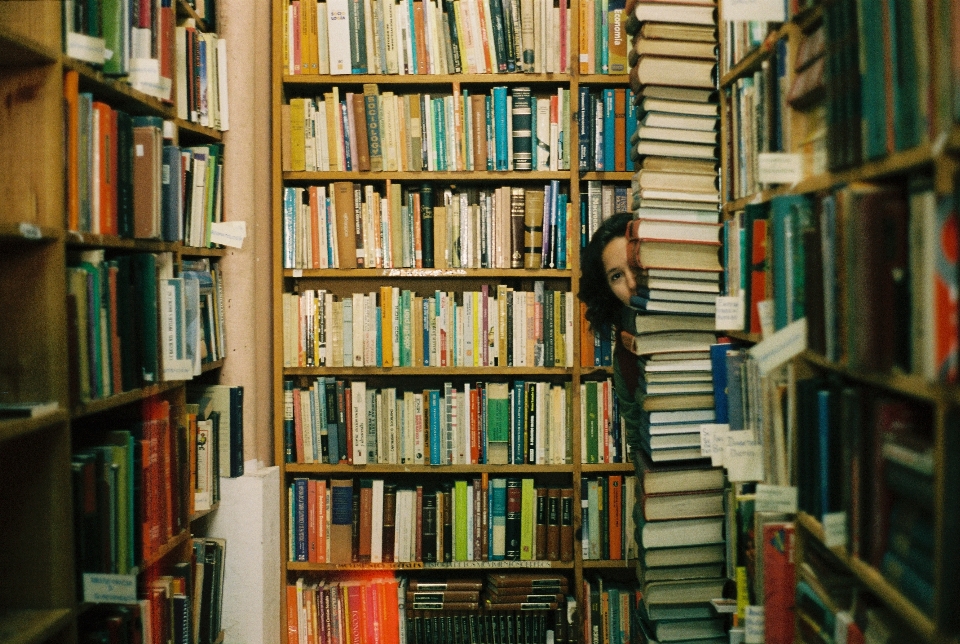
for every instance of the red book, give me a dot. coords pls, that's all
(779, 582)
(758, 273)
(366, 515)
(615, 516)
(71, 98)
(312, 520)
(586, 339)
(418, 543)
(315, 214)
(371, 614)
(620, 129)
(475, 424)
(354, 611)
(320, 511)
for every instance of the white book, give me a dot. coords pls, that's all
(203, 493)
(391, 49)
(373, 60)
(323, 38)
(358, 411)
(376, 523)
(338, 34)
(391, 425)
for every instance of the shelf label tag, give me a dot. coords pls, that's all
(718, 442)
(754, 624)
(835, 529)
(776, 498)
(228, 233)
(729, 312)
(30, 231)
(779, 167)
(780, 347)
(743, 458)
(765, 312)
(109, 589)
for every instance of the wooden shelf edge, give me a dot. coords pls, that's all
(22, 426)
(510, 78)
(118, 89)
(873, 580)
(606, 176)
(427, 273)
(609, 468)
(125, 398)
(750, 61)
(76, 239)
(358, 470)
(427, 371)
(22, 51)
(28, 233)
(196, 516)
(906, 384)
(607, 564)
(165, 549)
(212, 366)
(32, 626)
(295, 566)
(202, 130)
(452, 176)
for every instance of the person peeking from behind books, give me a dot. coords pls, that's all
(607, 281)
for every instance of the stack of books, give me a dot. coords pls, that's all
(680, 528)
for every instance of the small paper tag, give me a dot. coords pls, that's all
(744, 462)
(776, 498)
(729, 316)
(754, 625)
(706, 440)
(765, 312)
(298, 272)
(718, 444)
(835, 529)
(783, 345)
(109, 589)
(30, 231)
(761, 10)
(779, 167)
(228, 233)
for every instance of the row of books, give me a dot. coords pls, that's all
(510, 128)
(403, 609)
(125, 178)
(350, 225)
(395, 328)
(433, 37)
(115, 305)
(606, 121)
(183, 606)
(200, 75)
(519, 423)
(824, 267)
(610, 611)
(375, 521)
(607, 524)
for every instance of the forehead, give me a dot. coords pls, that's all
(614, 254)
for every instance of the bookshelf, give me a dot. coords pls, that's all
(563, 470)
(40, 600)
(847, 362)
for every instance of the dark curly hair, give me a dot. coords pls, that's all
(603, 307)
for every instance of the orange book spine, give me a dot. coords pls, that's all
(293, 616)
(71, 89)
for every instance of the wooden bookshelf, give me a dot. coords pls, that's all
(39, 599)
(290, 280)
(923, 165)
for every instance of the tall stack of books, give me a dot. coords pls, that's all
(680, 528)
(674, 239)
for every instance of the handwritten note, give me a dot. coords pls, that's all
(762, 10)
(743, 462)
(755, 625)
(109, 589)
(776, 498)
(835, 529)
(729, 316)
(779, 167)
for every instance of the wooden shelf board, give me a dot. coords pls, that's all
(596, 371)
(196, 516)
(32, 626)
(484, 566)
(21, 426)
(430, 79)
(211, 366)
(118, 93)
(426, 371)
(743, 336)
(606, 564)
(606, 176)
(872, 579)
(604, 79)
(460, 176)
(427, 273)
(27, 233)
(92, 240)
(19, 51)
(359, 470)
(166, 549)
(749, 63)
(606, 468)
(200, 130)
(125, 398)
(198, 251)
(907, 384)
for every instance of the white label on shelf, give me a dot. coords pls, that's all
(835, 529)
(298, 272)
(779, 167)
(743, 458)
(754, 625)
(762, 10)
(228, 233)
(729, 312)
(780, 347)
(109, 589)
(776, 498)
(765, 312)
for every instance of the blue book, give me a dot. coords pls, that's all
(518, 401)
(790, 215)
(289, 429)
(426, 331)
(434, 399)
(609, 121)
(501, 126)
(289, 227)
(379, 323)
(300, 519)
(498, 519)
(584, 114)
(823, 449)
(718, 366)
(333, 435)
(872, 82)
(358, 30)
(631, 129)
(561, 235)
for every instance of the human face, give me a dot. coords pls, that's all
(620, 275)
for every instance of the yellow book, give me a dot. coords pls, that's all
(502, 322)
(386, 319)
(441, 252)
(333, 149)
(297, 143)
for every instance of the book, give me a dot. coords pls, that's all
(682, 72)
(663, 479)
(683, 591)
(666, 341)
(679, 532)
(682, 505)
(650, 253)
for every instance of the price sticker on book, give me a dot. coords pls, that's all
(776, 498)
(779, 167)
(835, 529)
